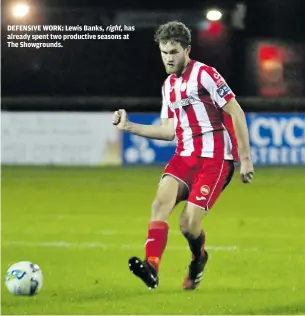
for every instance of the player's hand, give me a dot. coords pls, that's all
(246, 170)
(120, 119)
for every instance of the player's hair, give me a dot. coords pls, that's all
(174, 30)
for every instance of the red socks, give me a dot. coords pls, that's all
(156, 242)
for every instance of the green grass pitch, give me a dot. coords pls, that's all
(82, 224)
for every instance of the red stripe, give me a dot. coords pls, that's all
(179, 129)
(191, 116)
(229, 97)
(179, 133)
(227, 121)
(214, 116)
(170, 113)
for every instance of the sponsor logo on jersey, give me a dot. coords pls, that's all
(200, 198)
(181, 103)
(223, 91)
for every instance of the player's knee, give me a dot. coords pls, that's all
(166, 199)
(191, 225)
(162, 207)
(190, 222)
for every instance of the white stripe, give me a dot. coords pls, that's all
(215, 185)
(164, 108)
(167, 89)
(188, 143)
(165, 99)
(201, 114)
(178, 83)
(208, 145)
(65, 244)
(203, 119)
(185, 124)
(227, 145)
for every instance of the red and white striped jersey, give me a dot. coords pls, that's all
(195, 100)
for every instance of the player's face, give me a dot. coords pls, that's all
(174, 56)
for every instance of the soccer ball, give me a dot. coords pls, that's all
(24, 278)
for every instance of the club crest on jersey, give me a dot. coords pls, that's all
(181, 103)
(216, 75)
(223, 91)
(205, 190)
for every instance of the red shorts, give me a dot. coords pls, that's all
(205, 177)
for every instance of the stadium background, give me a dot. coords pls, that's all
(76, 193)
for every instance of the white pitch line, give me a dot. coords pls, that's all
(65, 244)
(106, 232)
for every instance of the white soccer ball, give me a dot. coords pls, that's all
(24, 278)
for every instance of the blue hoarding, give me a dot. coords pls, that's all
(275, 139)
(140, 150)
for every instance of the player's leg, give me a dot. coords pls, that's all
(213, 178)
(190, 226)
(171, 190)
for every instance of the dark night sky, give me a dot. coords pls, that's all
(280, 18)
(77, 70)
(130, 4)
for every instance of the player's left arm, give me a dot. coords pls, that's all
(221, 93)
(237, 114)
(240, 127)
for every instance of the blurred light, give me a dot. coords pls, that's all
(21, 10)
(215, 29)
(268, 52)
(214, 15)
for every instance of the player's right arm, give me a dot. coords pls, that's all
(164, 131)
